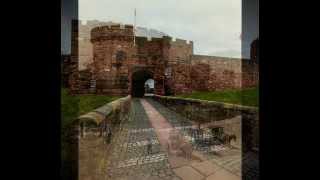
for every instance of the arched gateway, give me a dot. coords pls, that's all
(140, 75)
(121, 67)
(138, 80)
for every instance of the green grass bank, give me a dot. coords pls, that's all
(246, 97)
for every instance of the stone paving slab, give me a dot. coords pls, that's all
(158, 122)
(207, 168)
(177, 161)
(128, 158)
(181, 166)
(188, 173)
(223, 175)
(228, 159)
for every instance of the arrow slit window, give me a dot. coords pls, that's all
(120, 57)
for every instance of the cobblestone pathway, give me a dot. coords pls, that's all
(129, 158)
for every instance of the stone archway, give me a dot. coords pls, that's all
(138, 80)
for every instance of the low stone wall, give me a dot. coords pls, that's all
(87, 142)
(94, 145)
(209, 111)
(112, 113)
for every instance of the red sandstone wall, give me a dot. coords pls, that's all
(179, 65)
(95, 49)
(200, 75)
(220, 72)
(85, 46)
(250, 74)
(223, 73)
(110, 73)
(65, 70)
(181, 78)
(115, 78)
(74, 59)
(84, 82)
(180, 51)
(152, 56)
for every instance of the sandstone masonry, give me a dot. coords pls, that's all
(112, 61)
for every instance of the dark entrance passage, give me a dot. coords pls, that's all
(138, 82)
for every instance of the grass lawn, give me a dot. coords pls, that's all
(246, 97)
(73, 106)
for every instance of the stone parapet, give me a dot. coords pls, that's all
(105, 112)
(203, 111)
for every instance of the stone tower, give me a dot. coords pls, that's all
(113, 49)
(105, 60)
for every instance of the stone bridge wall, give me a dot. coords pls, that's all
(210, 111)
(81, 164)
(112, 113)
(96, 141)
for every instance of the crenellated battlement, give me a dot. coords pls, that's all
(196, 57)
(113, 27)
(156, 39)
(182, 41)
(149, 39)
(93, 29)
(168, 39)
(178, 41)
(95, 23)
(142, 39)
(112, 32)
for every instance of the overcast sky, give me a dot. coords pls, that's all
(213, 25)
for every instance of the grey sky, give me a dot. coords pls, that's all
(150, 82)
(213, 25)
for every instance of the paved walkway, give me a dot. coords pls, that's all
(200, 166)
(161, 126)
(127, 156)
